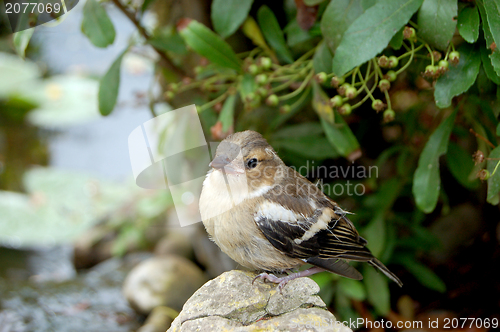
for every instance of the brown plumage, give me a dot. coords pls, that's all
(268, 217)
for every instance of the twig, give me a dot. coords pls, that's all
(145, 34)
(482, 138)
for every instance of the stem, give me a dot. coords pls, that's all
(213, 102)
(388, 99)
(301, 87)
(132, 17)
(413, 50)
(430, 52)
(482, 138)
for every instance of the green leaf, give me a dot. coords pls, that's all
(321, 103)
(426, 180)
(468, 24)
(295, 34)
(488, 67)
(313, 2)
(459, 78)
(307, 146)
(247, 85)
(498, 130)
(437, 23)
(492, 8)
(352, 288)
(397, 40)
(375, 234)
(168, 40)
(461, 165)
(273, 33)
(341, 137)
(21, 41)
(424, 275)
(371, 32)
(109, 86)
(226, 115)
(484, 23)
(338, 16)
(208, 44)
(494, 180)
(377, 289)
(228, 15)
(299, 130)
(96, 24)
(322, 60)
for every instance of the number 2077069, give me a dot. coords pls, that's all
(32, 7)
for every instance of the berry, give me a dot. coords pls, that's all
(478, 157)
(393, 61)
(169, 95)
(173, 87)
(383, 61)
(198, 70)
(454, 57)
(336, 101)
(253, 69)
(272, 100)
(250, 97)
(351, 92)
(409, 33)
(391, 76)
(389, 115)
(345, 109)
(384, 85)
(265, 62)
(443, 66)
(342, 89)
(483, 174)
(263, 92)
(261, 79)
(431, 71)
(285, 109)
(378, 105)
(320, 77)
(337, 81)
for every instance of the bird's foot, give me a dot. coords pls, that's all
(284, 280)
(274, 279)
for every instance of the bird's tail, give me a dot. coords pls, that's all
(379, 265)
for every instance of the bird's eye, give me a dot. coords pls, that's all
(252, 163)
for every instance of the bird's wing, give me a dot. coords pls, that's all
(304, 223)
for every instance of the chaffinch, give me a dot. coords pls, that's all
(268, 217)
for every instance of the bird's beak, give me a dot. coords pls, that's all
(222, 162)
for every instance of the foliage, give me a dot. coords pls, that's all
(321, 83)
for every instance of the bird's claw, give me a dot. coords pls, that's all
(272, 278)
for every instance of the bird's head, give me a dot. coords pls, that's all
(247, 154)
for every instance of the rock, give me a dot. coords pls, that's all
(91, 302)
(231, 302)
(175, 243)
(162, 281)
(159, 320)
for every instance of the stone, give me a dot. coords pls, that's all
(232, 302)
(162, 281)
(158, 320)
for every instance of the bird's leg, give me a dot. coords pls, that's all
(284, 280)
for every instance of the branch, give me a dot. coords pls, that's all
(131, 16)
